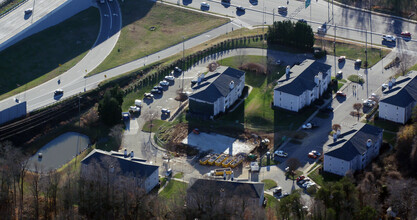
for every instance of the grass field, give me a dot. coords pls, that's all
(174, 192)
(272, 204)
(352, 51)
(9, 5)
(171, 25)
(156, 124)
(37, 58)
(179, 175)
(269, 184)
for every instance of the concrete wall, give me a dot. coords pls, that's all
(391, 112)
(286, 101)
(60, 14)
(13, 112)
(335, 165)
(152, 181)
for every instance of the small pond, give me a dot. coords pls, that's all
(59, 151)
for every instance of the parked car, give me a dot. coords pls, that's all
(171, 78)
(160, 88)
(406, 34)
(342, 59)
(307, 126)
(177, 69)
(322, 29)
(301, 182)
(168, 173)
(148, 95)
(316, 153)
(240, 8)
(166, 111)
(369, 103)
(285, 195)
(164, 83)
(58, 92)
(388, 38)
(134, 109)
(194, 81)
(384, 86)
(28, 11)
(278, 190)
(339, 74)
(358, 62)
(300, 178)
(196, 131)
(340, 93)
(281, 153)
(282, 9)
(312, 155)
(204, 5)
(302, 21)
(156, 91)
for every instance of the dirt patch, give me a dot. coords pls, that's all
(254, 67)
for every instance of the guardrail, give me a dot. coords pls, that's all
(12, 9)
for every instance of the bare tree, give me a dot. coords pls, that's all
(357, 107)
(34, 182)
(405, 59)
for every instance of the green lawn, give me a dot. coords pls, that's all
(37, 58)
(353, 51)
(356, 79)
(385, 124)
(171, 25)
(413, 67)
(179, 175)
(9, 5)
(321, 179)
(174, 191)
(389, 137)
(269, 184)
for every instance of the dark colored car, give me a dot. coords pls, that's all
(156, 91)
(160, 88)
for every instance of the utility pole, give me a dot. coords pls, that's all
(334, 48)
(366, 62)
(273, 16)
(370, 18)
(79, 125)
(328, 11)
(183, 63)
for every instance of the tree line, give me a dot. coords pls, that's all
(287, 33)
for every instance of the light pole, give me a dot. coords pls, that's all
(183, 63)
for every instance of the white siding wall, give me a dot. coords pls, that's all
(152, 181)
(391, 112)
(223, 103)
(286, 101)
(336, 165)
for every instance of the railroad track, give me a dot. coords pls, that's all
(40, 119)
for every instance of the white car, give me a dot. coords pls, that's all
(164, 83)
(58, 92)
(307, 126)
(281, 153)
(205, 5)
(171, 78)
(28, 11)
(384, 86)
(134, 109)
(166, 111)
(148, 95)
(388, 38)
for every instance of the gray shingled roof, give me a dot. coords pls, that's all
(404, 91)
(354, 143)
(216, 84)
(302, 77)
(231, 188)
(127, 166)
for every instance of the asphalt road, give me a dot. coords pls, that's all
(43, 94)
(16, 21)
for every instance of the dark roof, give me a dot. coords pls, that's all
(404, 92)
(216, 84)
(127, 166)
(354, 143)
(231, 188)
(302, 77)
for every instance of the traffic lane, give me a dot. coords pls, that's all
(105, 25)
(116, 17)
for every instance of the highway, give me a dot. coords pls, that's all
(16, 21)
(106, 40)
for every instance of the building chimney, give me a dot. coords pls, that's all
(231, 84)
(125, 153)
(334, 137)
(369, 143)
(132, 154)
(287, 72)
